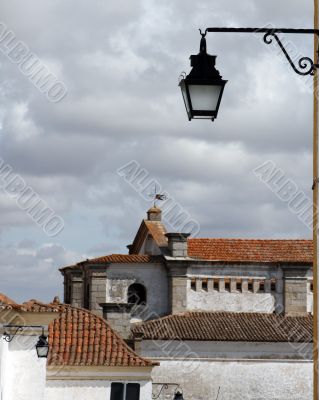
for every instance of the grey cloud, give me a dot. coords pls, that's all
(120, 61)
(33, 272)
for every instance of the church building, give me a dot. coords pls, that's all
(223, 317)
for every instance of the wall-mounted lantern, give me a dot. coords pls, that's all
(178, 393)
(42, 346)
(178, 396)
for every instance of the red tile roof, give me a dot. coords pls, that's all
(158, 231)
(223, 250)
(251, 250)
(229, 327)
(77, 337)
(139, 239)
(117, 259)
(123, 258)
(154, 228)
(80, 338)
(29, 306)
(5, 299)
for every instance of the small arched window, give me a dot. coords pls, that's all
(136, 294)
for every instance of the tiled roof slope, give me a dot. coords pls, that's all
(80, 338)
(251, 250)
(123, 258)
(117, 259)
(29, 306)
(5, 299)
(139, 239)
(155, 228)
(229, 327)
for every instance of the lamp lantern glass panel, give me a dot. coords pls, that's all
(42, 347)
(204, 97)
(185, 97)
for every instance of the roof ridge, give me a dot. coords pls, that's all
(242, 313)
(191, 312)
(28, 306)
(252, 239)
(6, 299)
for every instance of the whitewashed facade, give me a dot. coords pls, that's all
(24, 376)
(240, 371)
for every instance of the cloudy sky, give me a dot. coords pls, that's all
(120, 61)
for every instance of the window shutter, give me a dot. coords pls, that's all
(117, 391)
(132, 391)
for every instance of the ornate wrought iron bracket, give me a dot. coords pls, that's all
(8, 337)
(305, 65)
(164, 387)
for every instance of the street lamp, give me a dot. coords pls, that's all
(203, 87)
(42, 346)
(203, 102)
(178, 396)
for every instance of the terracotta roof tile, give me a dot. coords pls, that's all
(155, 228)
(123, 258)
(5, 299)
(251, 250)
(30, 306)
(74, 266)
(117, 259)
(158, 231)
(80, 338)
(232, 327)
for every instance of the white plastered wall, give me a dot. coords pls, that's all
(243, 371)
(234, 300)
(239, 380)
(24, 374)
(89, 389)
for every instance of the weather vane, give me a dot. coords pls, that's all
(157, 196)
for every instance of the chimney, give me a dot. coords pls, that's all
(118, 315)
(177, 244)
(154, 214)
(295, 290)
